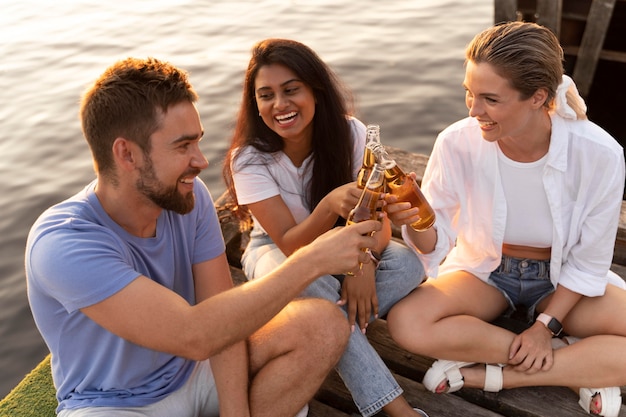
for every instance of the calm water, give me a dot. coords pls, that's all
(401, 58)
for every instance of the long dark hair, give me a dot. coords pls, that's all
(331, 145)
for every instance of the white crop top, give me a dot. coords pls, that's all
(528, 218)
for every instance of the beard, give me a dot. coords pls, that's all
(166, 197)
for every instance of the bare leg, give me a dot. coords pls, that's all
(293, 353)
(598, 360)
(447, 318)
(595, 405)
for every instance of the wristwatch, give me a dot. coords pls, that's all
(551, 323)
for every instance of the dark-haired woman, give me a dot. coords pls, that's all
(292, 163)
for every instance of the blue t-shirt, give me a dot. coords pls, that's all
(77, 256)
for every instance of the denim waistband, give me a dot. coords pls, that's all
(510, 263)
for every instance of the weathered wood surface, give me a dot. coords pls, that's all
(333, 399)
(547, 12)
(592, 44)
(562, 18)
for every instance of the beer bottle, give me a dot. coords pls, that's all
(372, 146)
(406, 189)
(366, 208)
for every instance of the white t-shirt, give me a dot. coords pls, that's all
(260, 175)
(526, 199)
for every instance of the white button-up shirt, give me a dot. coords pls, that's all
(584, 183)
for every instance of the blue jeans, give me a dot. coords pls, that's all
(362, 370)
(523, 282)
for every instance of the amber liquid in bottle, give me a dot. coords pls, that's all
(406, 189)
(366, 208)
(372, 145)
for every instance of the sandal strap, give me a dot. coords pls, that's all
(420, 412)
(611, 400)
(455, 379)
(445, 370)
(493, 378)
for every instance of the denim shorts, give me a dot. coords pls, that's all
(523, 282)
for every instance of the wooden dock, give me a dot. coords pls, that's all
(34, 396)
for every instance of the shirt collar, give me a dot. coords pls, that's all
(559, 143)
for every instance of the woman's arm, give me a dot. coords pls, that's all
(277, 220)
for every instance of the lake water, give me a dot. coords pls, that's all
(401, 58)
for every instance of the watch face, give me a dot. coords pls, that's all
(555, 327)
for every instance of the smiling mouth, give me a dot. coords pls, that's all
(487, 124)
(189, 176)
(286, 118)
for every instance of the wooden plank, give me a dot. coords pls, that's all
(335, 394)
(549, 15)
(607, 55)
(529, 401)
(619, 270)
(505, 11)
(238, 276)
(446, 405)
(593, 40)
(319, 409)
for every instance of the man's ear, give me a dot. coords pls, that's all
(125, 153)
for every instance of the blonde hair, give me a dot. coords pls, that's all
(528, 55)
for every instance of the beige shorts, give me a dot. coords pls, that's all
(196, 398)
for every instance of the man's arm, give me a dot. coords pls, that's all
(230, 367)
(150, 315)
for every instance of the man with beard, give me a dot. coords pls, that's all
(130, 286)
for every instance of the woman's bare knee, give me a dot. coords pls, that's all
(407, 324)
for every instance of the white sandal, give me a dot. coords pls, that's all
(611, 400)
(421, 412)
(304, 411)
(611, 396)
(442, 370)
